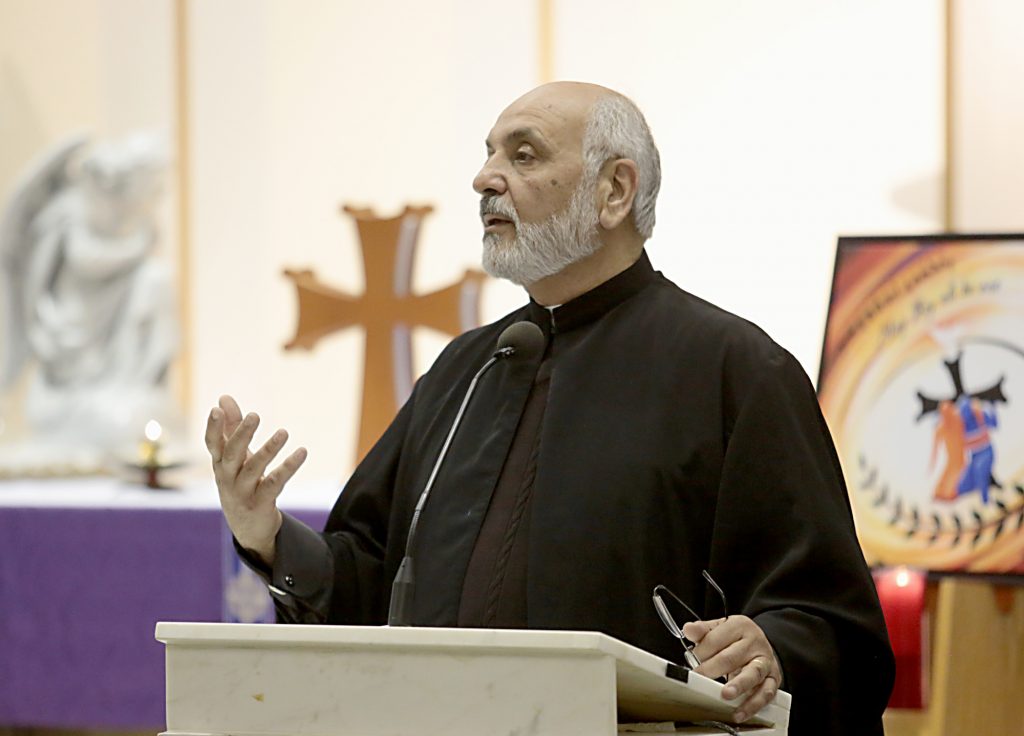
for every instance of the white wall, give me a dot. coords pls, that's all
(99, 66)
(988, 116)
(781, 125)
(316, 104)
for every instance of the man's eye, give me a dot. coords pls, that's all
(524, 156)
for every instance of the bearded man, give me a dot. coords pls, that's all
(655, 437)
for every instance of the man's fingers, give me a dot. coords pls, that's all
(232, 414)
(762, 695)
(756, 685)
(215, 434)
(750, 676)
(695, 631)
(714, 664)
(237, 446)
(253, 468)
(720, 634)
(273, 484)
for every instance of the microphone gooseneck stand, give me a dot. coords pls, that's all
(521, 341)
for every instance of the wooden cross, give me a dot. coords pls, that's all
(388, 311)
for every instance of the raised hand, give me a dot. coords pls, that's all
(248, 495)
(737, 647)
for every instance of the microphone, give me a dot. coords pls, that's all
(520, 341)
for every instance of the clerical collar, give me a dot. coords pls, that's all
(600, 300)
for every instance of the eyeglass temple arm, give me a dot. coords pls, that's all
(713, 584)
(661, 588)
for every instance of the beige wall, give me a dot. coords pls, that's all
(320, 103)
(988, 115)
(781, 125)
(100, 66)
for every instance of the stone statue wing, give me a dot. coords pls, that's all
(43, 181)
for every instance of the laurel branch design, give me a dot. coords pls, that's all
(1005, 515)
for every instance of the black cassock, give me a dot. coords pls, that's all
(665, 436)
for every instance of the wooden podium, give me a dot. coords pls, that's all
(377, 681)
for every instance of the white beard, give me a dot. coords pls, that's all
(542, 249)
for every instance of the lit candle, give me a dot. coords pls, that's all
(901, 591)
(150, 449)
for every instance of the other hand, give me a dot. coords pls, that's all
(248, 496)
(737, 648)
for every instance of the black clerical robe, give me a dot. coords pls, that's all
(676, 437)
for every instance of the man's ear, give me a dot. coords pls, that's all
(619, 180)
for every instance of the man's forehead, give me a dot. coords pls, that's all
(514, 131)
(546, 120)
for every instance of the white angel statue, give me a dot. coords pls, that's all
(88, 310)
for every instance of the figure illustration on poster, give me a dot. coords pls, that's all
(963, 429)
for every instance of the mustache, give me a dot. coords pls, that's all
(492, 204)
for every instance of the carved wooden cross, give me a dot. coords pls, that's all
(388, 310)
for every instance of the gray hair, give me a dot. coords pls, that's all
(616, 129)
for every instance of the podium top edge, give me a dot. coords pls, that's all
(582, 642)
(469, 641)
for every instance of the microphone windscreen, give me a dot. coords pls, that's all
(525, 338)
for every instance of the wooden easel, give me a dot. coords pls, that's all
(977, 662)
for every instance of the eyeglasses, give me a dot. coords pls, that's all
(670, 623)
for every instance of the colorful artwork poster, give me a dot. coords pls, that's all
(922, 385)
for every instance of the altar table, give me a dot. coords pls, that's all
(87, 568)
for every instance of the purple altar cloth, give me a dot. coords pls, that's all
(81, 590)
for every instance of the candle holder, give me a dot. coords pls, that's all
(151, 457)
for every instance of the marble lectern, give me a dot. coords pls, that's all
(378, 681)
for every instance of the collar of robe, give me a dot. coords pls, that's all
(597, 302)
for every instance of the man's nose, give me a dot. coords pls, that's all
(489, 181)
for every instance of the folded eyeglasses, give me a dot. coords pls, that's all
(692, 661)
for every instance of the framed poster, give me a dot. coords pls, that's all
(922, 384)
